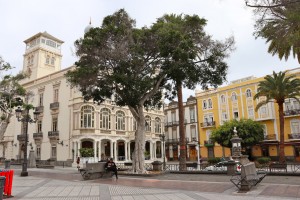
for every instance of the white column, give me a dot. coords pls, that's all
(95, 150)
(115, 151)
(129, 151)
(111, 149)
(151, 150)
(99, 150)
(78, 153)
(154, 149)
(126, 150)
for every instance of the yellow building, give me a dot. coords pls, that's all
(235, 101)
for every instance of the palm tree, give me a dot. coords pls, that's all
(278, 87)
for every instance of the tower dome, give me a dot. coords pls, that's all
(88, 27)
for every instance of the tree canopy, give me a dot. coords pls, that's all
(251, 132)
(278, 22)
(133, 65)
(278, 87)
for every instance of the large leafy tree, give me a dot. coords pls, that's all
(278, 87)
(121, 62)
(132, 65)
(251, 132)
(191, 57)
(10, 93)
(278, 22)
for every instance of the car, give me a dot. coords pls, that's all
(222, 166)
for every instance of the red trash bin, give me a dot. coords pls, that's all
(9, 175)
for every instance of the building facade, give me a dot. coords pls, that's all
(235, 101)
(172, 130)
(67, 123)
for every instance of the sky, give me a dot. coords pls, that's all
(66, 20)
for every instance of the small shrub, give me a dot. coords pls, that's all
(263, 160)
(86, 152)
(213, 161)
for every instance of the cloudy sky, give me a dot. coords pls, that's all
(66, 20)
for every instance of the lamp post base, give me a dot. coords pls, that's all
(24, 173)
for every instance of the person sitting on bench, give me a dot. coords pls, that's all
(111, 166)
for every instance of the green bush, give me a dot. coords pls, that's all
(263, 160)
(213, 160)
(86, 152)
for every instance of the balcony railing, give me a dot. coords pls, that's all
(270, 137)
(292, 112)
(54, 105)
(53, 134)
(208, 143)
(38, 135)
(207, 124)
(174, 123)
(294, 136)
(21, 137)
(177, 141)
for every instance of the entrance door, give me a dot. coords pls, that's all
(210, 152)
(193, 153)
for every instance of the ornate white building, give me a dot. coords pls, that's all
(67, 123)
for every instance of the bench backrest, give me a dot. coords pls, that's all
(249, 171)
(96, 167)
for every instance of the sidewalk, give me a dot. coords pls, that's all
(67, 184)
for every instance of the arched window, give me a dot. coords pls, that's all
(148, 123)
(52, 61)
(223, 100)
(157, 125)
(105, 118)
(120, 121)
(47, 59)
(233, 97)
(87, 117)
(209, 103)
(204, 104)
(248, 93)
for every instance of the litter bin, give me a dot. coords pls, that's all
(157, 166)
(2, 183)
(7, 164)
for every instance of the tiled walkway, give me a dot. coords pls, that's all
(67, 184)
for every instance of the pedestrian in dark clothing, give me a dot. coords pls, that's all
(78, 163)
(111, 166)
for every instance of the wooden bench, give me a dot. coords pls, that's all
(94, 170)
(248, 178)
(277, 167)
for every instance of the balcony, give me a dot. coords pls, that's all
(292, 112)
(294, 136)
(21, 137)
(209, 143)
(40, 109)
(37, 136)
(54, 106)
(53, 134)
(172, 141)
(270, 137)
(175, 123)
(207, 124)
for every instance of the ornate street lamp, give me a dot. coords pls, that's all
(24, 117)
(162, 138)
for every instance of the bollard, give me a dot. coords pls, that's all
(2, 183)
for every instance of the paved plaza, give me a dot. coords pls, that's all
(67, 184)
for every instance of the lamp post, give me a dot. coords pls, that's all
(24, 117)
(162, 138)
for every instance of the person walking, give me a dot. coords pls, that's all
(111, 166)
(78, 163)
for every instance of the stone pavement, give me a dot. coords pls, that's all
(67, 184)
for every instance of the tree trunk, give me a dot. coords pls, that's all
(182, 159)
(281, 127)
(4, 125)
(138, 160)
